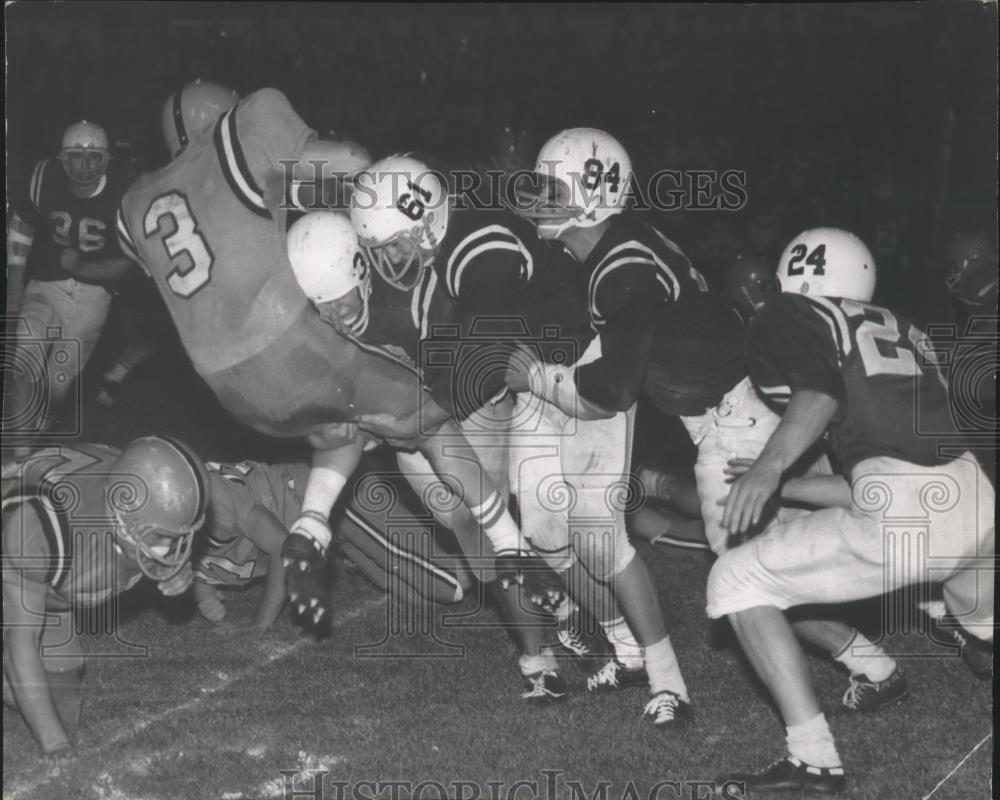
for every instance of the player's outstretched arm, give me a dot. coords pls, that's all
(822, 491)
(266, 531)
(23, 664)
(808, 414)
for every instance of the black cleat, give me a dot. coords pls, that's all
(615, 675)
(790, 775)
(976, 653)
(864, 695)
(667, 711)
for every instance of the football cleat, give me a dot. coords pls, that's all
(544, 687)
(615, 675)
(865, 695)
(305, 576)
(976, 653)
(790, 775)
(576, 636)
(667, 711)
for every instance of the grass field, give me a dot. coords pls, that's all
(205, 715)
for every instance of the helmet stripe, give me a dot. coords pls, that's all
(197, 471)
(178, 113)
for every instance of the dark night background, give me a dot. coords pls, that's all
(876, 117)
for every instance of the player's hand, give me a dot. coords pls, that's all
(177, 584)
(734, 468)
(56, 758)
(540, 584)
(305, 568)
(749, 496)
(394, 428)
(210, 605)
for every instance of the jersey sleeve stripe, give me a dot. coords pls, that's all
(630, 253)
(235, 167)
(35, 189)
(421, 302)
(779, 393)
(124, 237)
(835, 318)
(59, 559)
(492, 237)
(405, 555)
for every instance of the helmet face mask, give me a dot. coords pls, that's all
(85, 153)
(401, 260)
(160, 553)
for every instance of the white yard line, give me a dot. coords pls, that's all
(958, 766)
(26, 790)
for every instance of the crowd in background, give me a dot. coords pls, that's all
(874, 123)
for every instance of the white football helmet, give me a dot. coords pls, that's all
(328, 264)
(582, 177)
(400, 212)
(828, 262)
(192, 108)
(85, 152)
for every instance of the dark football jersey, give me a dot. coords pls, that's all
(460, 322)
(230, 557)
(646, 302)
(209, 231)
(68, 542)
(61, 219)
(876, 365)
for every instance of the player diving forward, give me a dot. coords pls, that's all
(917, 511)
(253, 505)
(210, 230)
(81, 525)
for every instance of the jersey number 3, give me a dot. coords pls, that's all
(170, 217)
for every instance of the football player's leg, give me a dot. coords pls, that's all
(26, 400)
(304, 550)
(403, 566)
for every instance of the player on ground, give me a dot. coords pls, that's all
(251, 509)
(629, 276)
(65, 222)
(210, 230)
(860, 375)
(325, 254)
(81, 525)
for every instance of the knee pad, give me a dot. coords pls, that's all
(604, 552)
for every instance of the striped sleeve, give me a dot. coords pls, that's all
(487, 264)
(125, 240)
(794, 344)
(614, 279)
(41, 546)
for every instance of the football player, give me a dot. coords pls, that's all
(860, 375)
(629, 276)
(81, 525)
(487, 263)
(750, 282)
(253, 505)
(65, 222)
(210, 230)
(972, 273)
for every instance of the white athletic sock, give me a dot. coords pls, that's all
(545, 661)
(862, 657)
(627, 649)
(497, 524)
(813, 743)
(663, 669)
(322, 490)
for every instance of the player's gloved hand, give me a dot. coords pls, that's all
(305, 566)
(540, 584)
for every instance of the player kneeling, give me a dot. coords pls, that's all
(81, 525)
